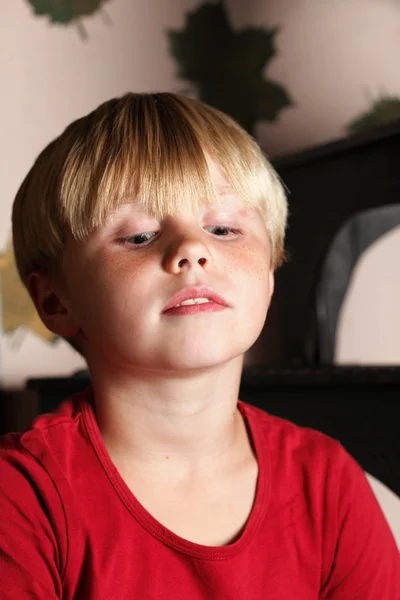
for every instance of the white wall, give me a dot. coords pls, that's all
(368, 331)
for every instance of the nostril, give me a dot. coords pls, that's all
(201, 261)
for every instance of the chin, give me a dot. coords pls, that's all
(208, 359)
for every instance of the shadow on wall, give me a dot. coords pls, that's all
(66, 12)
(383, 111)
(226, 66)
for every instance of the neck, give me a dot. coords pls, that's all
(171, 425)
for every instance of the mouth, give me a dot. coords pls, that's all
(189, 301)
(193, 309)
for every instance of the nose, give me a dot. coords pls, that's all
(186, 253)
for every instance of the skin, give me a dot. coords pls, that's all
(166, 388)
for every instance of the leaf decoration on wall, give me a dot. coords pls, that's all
(383, 111)
(65, 12)
(17, 307)
(226, 66)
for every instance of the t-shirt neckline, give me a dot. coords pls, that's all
(150, 523)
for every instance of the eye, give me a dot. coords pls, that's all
(222, 231)
(139, 239)
(142, 239)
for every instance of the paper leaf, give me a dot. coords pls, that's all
(16, 305)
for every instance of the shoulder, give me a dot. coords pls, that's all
(35, 492)
(28, 459)
(33, 528)
(303, 461)
(331, 497)
(294, 442)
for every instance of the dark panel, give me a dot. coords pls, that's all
(327, 186)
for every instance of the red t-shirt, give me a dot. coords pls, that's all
(71, 528)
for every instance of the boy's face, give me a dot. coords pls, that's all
(116, 291)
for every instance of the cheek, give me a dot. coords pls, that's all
(253, 261)
(253, 265)
(122, 290)
(105, 275)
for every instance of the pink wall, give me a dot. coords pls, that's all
(335, 58)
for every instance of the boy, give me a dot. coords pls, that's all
(148, 234)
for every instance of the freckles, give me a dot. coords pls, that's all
(123, 266)
(252, 261)
(129, 270)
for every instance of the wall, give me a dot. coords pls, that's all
(368, 331)
(335, 58)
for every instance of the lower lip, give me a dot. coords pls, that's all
(193, 309)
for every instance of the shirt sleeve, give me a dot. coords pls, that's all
(29, 553)
(366, 564)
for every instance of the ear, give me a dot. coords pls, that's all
(51, 305)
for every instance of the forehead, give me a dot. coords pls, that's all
(223, 196)
(220, 183)
(225, 203)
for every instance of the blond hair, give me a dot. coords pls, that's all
(150, 148)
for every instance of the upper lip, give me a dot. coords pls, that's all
(194, 292)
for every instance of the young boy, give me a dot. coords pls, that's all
(148, 234)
